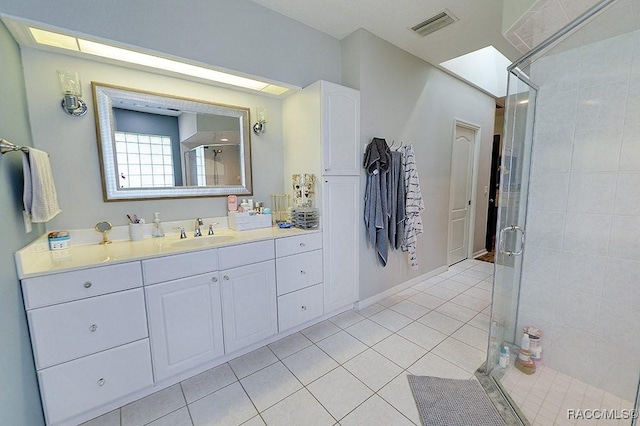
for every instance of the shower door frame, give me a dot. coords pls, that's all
(514, 71)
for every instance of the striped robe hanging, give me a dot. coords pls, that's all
(414, 205)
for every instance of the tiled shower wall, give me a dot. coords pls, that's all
(581, 273)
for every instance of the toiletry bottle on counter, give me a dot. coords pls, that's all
(232, 203)
(526, 342)
(157, 226)
(503, 362)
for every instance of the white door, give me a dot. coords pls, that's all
(249, 309)
(185, 323)
(340, 130)
(460, 198)
(340, 213)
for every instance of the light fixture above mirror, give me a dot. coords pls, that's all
(71, 87)
(45, 37)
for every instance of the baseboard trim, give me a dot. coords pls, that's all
(397, 288)
(480, 253)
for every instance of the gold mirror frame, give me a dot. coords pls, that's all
(104, 97)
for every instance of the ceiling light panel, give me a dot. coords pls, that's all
(67, 42)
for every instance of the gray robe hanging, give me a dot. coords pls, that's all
(377, 161)
(396, 200)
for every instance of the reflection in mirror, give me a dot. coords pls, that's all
(160, 146)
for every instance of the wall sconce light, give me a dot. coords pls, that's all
(72, 90)
(261, 126)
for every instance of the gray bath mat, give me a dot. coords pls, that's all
(447, 402)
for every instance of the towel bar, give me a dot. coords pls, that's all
(6, 146)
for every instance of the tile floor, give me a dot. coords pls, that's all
(348, 370)
(545, 397)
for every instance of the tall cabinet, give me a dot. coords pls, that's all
(321, 136)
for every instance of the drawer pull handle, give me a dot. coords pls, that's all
(226, 278)
(101, 382)
(214, 279)
(302, 272)
(93, 328)
(302, 244)
(304, 308)
(87, 284)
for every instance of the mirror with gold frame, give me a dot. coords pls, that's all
(153, 145)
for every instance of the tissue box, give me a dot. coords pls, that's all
(245, 221)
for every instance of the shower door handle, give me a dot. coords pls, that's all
(503, 231)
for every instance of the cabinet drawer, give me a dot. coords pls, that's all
(71, 330)
(246, 254)
(298, 244)
(299, 307)
(298, 271)
(72, 388)
(74, 285)
(179, 266)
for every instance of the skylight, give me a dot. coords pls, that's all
(485, 68)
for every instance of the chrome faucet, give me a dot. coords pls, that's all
(211, 228)
(183, 234)
(197, 232)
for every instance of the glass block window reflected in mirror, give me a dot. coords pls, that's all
(144, 161)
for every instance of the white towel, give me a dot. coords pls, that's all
(40, 196)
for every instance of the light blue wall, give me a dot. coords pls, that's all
(19, 399)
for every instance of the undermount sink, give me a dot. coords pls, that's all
(196, 242)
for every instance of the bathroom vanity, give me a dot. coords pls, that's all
(112, 323)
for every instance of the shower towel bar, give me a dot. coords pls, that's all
(6, 146)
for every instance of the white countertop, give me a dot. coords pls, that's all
(36, 258)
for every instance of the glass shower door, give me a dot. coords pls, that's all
(510, 244)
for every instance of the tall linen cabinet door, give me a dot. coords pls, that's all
(340, 128)
(249, 304)
(185, 323)
(340, 221)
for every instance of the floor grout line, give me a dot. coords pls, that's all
(347, 324)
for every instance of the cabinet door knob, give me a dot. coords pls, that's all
(226, 278)
(214, 279)
(87, 284)
(304, 308)
(302, 272)
(93, 328)
(326, 170)
(302, 244)
(101, 382)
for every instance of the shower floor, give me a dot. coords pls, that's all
(546, 396)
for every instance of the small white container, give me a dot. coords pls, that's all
(136, 231)
(246, 221)
(58, 240)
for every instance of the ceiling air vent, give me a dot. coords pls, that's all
(434, 23)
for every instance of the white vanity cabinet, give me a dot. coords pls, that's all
(185, 320)
(89, 336)
(104, 336)
(299, 271)
(185, 324)
(249, 310)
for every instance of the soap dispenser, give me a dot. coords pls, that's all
(157, 226)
